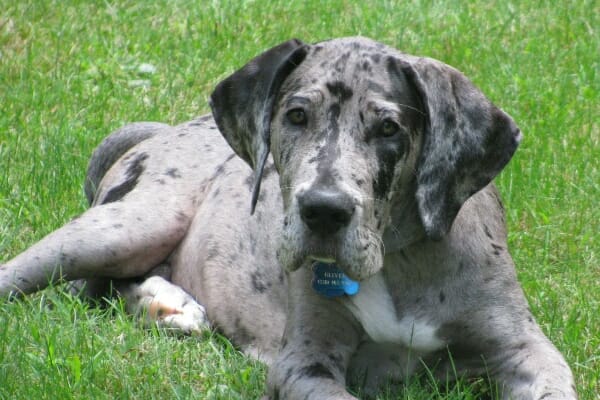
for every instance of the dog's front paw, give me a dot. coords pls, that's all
(165, 304)
(190, 319)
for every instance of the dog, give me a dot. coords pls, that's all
(375, 244)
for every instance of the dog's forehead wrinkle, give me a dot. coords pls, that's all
(382, 106)
(412, 108)
(313, 94)
(297, 100)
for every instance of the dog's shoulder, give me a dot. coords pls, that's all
(476, 241)
(482, 217)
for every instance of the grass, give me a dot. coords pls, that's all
(70, 73)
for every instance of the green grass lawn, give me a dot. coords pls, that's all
(72, 71)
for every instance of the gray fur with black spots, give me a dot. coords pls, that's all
(380, 161)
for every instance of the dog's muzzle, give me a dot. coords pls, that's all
(326, 223)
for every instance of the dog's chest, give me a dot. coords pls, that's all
(374, 309)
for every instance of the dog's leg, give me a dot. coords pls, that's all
(535, 370)
(319, 340)
(116, 240)
(307, 370)
(375, 366)
(159, 301)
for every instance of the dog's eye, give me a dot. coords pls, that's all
(388, 128)
(296, 116)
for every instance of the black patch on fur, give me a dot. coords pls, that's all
(317, 370)
(340, 90)
(173, 173)
(442, 296)
(376, 58)
(258, 283)
(497, 249)
(387, 157)
(218, 171)
(221, 167)
(486, 229)
(212, 253)
(135, 168)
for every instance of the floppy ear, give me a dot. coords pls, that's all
(242, 104)
(467, 142)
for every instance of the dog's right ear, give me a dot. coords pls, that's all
(242, 104)
(467, 141)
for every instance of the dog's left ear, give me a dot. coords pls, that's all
(467, 142)
(242, 104)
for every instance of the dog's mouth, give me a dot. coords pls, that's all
(336, 232)
(325, 260)
(322, 250)
(358, 253)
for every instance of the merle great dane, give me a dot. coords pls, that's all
(376, 244)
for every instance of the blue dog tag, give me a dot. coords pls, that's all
(330, 281)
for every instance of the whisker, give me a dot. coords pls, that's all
(413, 109)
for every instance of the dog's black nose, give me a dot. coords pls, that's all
(325, 211)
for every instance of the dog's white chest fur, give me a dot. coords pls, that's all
(373, 307)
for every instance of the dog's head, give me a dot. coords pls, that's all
(369, 143)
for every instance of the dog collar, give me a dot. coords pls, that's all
(329, 281)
